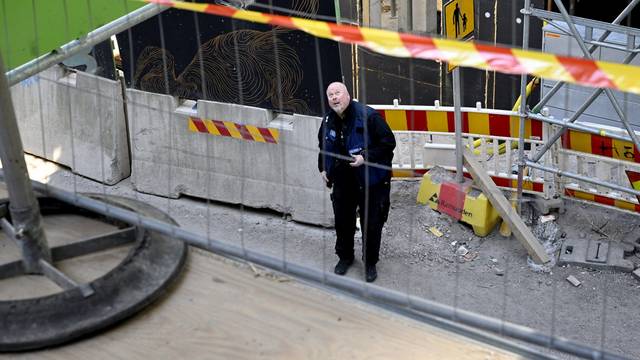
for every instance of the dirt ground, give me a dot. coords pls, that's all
(493, 278)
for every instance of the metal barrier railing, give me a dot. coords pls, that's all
(431, 142)
(604, 165)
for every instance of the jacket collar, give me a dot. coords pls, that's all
(348, 113)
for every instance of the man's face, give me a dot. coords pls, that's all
(338, 97)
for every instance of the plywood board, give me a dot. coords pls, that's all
(221, 310)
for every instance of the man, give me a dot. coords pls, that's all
(356, 149)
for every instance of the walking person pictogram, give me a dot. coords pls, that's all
(456, 19)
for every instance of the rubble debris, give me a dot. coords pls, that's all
(462, 251)
(636, 273)
(575, 282)
(547, 233)
(470, 256)
(632, 239)
(434, 230)
(628, 249)
(256, 273)
(546, 218)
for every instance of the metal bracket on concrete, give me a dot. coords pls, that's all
(596, 254)
(544, 206)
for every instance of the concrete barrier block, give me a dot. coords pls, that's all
(149, 116)
(74, 119)
(439, 155)
(308, 195)
(169, 159)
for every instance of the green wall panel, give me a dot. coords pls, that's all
(31, 28)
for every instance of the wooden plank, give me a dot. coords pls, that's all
(222, 309)
(508, 213)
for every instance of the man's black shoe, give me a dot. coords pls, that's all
(342, 266)
(372, 273)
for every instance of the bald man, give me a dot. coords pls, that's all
(356, 149)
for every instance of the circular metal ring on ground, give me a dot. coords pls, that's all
(152, 264)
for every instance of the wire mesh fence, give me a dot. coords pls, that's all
(203, 147)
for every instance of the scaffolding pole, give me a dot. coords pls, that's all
(583, 178)
(458, 124)
(523, 105)
(26, 226)
(566, 123)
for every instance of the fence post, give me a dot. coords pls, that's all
(23, 206)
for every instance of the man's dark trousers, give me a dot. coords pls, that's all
(349, 196)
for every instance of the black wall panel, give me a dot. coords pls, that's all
(243, 62)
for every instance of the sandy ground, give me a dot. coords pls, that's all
(493, 278)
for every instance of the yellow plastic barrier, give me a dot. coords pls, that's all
(459, 201)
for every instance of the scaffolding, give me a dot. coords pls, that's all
(590, 26)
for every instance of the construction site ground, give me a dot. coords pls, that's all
(223, 309)
(493, 277)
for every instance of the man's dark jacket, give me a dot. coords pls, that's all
(362, 131)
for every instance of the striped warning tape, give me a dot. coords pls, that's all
(503, 182)
(584, 195)
(231, 129)
(472, 123)
(634, 178)
(459, 53)
(600, 145)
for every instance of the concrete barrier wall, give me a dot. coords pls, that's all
(168, 159)
(74, 119)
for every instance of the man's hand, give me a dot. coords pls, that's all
(324, 177)
(358, 160)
